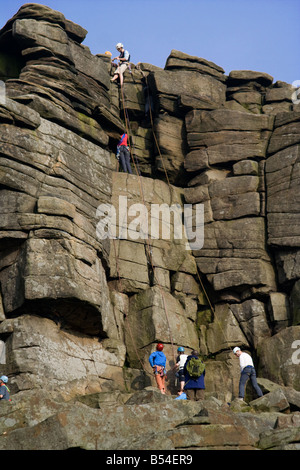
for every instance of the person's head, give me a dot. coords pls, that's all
(237, 351)
(3, 379)
(195, 352)
(180, 350)
(119, 47)
(160, 347)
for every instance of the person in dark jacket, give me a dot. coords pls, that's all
(194, 388)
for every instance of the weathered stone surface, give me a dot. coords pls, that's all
(39, 12)
(234, 254)
(178, 60)
(228, 198)
(81, 312)
(225, 331)
(64, 433)
(273, 401)
(135, 259)
(155, 315)
(250, 75)
(142, 148)
(279, 357)
(279, 308)
(246, 167)
(63, 357)
(280, 439)
(184, 82)
(283, 196)
(252, 318)
(30, 32)
(227, 135)
(205, 425)
(248, 88)
(19, 114)
(295, 310)
(287, 263)
(170, 134)
(286, 132)
(38, 170)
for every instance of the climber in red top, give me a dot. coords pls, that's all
(123, 153)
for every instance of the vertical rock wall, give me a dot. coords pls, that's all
(83, 313)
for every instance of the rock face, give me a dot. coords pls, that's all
(81, 311)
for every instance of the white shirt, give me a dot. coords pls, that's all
(245, 360)
(182, 359)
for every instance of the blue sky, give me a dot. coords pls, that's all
(260, 35)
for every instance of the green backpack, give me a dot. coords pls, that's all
(195, 367)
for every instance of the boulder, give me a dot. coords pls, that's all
(273, 401)
(279, 357)
(278, 98)
(42, 12)
(60, 431)
(64, 358)
(169, 85)
(286, 132)
(234, 255)
(280, 439)
(279, 309)
(225, 331)
(228, 135)
(248, 88)
(178, 60)
(240, 76)
(287, 264)
(252, 318)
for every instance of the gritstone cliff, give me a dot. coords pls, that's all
(80, 314)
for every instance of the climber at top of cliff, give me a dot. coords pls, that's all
(124, 59)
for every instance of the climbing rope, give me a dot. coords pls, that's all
(162, 159)
(147, 243)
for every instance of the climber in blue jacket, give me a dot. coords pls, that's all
(158, 362)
